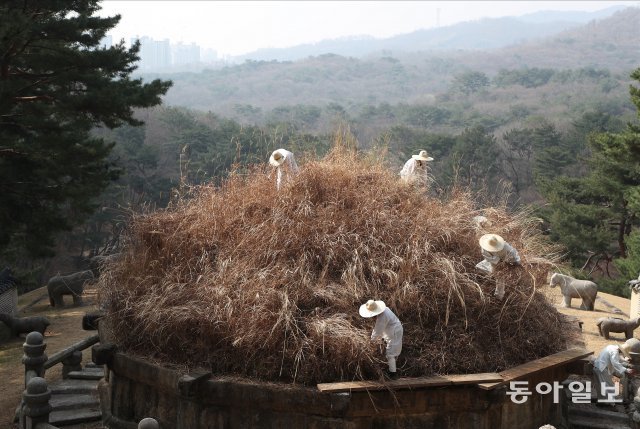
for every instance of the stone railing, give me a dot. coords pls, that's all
(35, 408)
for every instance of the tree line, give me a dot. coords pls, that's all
(82, 146)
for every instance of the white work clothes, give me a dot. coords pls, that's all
(414, 173)
(288, 169)
(507, 254)
(389, 328)
(609, 362)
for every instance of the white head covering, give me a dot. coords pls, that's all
(282, 159)
(372, 308)
(491, 242)
(422, 156)
(278, 157)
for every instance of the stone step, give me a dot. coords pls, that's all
(598, 413)
(589, 423)
(73, 401)
(86, 375)
(92, 365)
(93, 368)
(73, 386)
(591, 416)
(71, 417)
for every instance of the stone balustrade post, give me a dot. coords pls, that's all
(632, 391)
(34, 356)
(189, 408)
(627, 382)
(71, 363)
(635, 412)
(36, 403)
(148, 423)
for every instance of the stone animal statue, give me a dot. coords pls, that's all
(615, 324)
(97, 263)
(24, 325)
(72, 284)
(573, 288)
(6, 276)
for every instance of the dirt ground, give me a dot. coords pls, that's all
(605, 305)
(66, 329)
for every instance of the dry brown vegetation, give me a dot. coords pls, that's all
(246, 280)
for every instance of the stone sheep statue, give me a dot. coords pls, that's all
(573, 288)
(24, 325)
(72, 284)
(615, 324)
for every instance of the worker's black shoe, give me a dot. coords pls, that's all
(390, 375)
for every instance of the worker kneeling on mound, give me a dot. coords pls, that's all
(495, 250)
(388, 327)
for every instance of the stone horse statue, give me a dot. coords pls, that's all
(73, 285)
(573, 288)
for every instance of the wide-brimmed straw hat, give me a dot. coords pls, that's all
(277, 158)
(631, 348)
(372, 308)
(491, 242)
(422, 156)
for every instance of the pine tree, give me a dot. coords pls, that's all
(594, 215)
(56, 84)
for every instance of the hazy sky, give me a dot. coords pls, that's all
(238, 27)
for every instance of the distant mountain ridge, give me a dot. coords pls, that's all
(570, 16)
(402, 77)
(611, 43)
(487, 33)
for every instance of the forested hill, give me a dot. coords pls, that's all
(488, 33)
(611, 44)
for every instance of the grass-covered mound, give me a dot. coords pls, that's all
(246, 280)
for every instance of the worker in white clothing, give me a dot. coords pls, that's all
(614, 360)
(389, 328)
(494, 250)
(285, 165)
(415, 169)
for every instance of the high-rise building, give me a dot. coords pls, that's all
(154, 54)
(186, 54)
(209, 55)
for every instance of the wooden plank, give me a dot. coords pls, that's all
(547, 362)
(410, 383)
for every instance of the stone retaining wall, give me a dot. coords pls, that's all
(136, 388)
